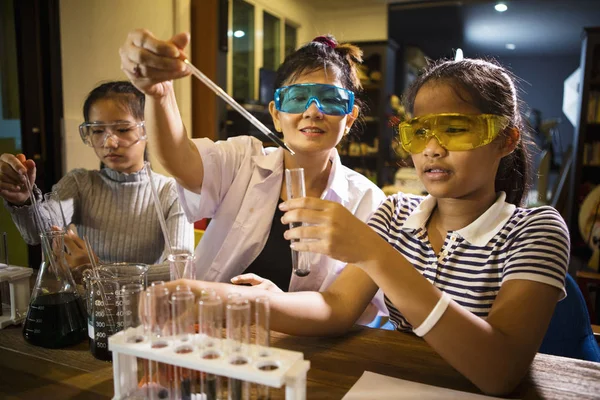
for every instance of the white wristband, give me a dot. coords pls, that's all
(434, 316)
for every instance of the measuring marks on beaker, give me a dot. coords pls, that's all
(105, 316)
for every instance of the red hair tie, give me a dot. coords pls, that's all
(325, 40)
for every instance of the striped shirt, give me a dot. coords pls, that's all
(506, 242)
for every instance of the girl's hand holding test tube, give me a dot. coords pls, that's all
(333, 230)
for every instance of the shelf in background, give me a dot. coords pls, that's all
(372, 86)
(365, 156)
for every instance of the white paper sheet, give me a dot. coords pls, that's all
(375, 386)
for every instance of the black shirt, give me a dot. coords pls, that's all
(275, 260)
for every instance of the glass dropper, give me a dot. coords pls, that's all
(236, 106)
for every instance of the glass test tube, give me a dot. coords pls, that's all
(182, 318)
(131, 318)
(210, 328)
(157, 312)
(262, 312)
(158, 326)
(238, 339)
(182, 266)
(295, 188)
(263, 334)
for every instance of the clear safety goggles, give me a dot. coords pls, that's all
(329, 99)
(454, 132)
(126, 134)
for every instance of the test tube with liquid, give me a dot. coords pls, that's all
(210, 328)
(295, 188)
(131, 317)
(262, 313)
(158, 327)
(131, 307)
(238, 339)
(183, 318)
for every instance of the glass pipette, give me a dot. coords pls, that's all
(236, 106)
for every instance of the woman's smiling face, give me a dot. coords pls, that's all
(312, 130)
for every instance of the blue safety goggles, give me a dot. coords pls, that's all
(329, 99)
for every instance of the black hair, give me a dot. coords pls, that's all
(491, 88)
(324, 52)
(123, 92)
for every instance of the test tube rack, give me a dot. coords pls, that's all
(291, 367)
(18, 284)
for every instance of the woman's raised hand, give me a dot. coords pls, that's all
(14, 171)
(151, 64)
(332, 230)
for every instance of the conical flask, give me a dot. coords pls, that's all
(56, 316)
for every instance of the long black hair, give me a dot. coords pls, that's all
(491, 88)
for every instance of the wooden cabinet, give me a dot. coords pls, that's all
(586, 143)
(369, 151)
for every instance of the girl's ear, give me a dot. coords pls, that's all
(275, 115)
(511, 141)
(350, 118)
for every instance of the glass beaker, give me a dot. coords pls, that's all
(56, 316)
(104, 299)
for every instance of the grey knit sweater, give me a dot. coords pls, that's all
(117, 214)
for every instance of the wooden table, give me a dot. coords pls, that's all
(29, 372)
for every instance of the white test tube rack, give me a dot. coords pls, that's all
(291, 366)
(18, 283)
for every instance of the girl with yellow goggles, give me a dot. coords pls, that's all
(454, 132)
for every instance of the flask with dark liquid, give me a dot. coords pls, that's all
(56, 316)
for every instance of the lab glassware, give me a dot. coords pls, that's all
(56, 316)
(182, 266)
(104, 299)
(210, 326)
(238, 342)
(295, 188)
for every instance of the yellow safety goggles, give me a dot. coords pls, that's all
(454, 132)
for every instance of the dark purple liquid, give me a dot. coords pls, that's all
(55, 320)
(184, 350)
(101, 353)
(210, 356)
(268, 367)
(210, 387)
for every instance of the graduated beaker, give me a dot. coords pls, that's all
(56, 315)
(104, 299)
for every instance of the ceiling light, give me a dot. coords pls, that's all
(239, 34)
(510, 46)
(501, 7)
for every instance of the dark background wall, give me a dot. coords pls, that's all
(542, 81)
(438, 31)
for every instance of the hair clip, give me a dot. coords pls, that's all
(325, 40)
